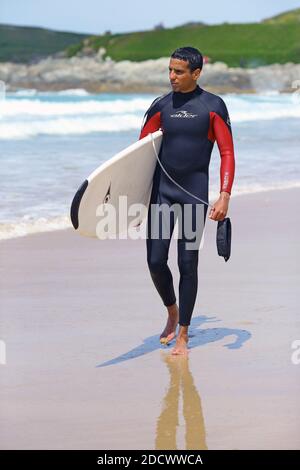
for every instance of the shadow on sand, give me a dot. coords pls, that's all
(197, 337)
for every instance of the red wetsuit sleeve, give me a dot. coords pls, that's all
(150, 125)
(220, 132)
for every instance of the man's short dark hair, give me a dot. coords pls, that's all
(190, 55)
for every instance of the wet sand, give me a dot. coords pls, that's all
(85, 370)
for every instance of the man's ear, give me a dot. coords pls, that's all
(196, 74)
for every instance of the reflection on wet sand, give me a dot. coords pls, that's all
(181, 379)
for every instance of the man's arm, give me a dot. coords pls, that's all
(220, 130)
(222, 133)
(152, 120)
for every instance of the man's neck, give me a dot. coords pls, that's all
(190, 90)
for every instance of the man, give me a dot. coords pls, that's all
(191, 120)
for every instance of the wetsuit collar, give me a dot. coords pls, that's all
(189, 93)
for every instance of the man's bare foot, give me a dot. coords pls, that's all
(169, 332)
(180, 347)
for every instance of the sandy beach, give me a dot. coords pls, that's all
(85, 370)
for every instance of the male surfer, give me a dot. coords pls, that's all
(191, 119)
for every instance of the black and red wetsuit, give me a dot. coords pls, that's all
(191, 122)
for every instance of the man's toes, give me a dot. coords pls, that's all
(169, 337)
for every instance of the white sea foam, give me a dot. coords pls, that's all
(73, 92)
(32, 116)
(42, 108)
(34, 92)
(27, 227)
(68, 126)
(27, 92)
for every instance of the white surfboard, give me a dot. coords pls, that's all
(128, 174)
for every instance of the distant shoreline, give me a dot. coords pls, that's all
(96, 75)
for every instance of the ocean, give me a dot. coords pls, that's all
(51, 141)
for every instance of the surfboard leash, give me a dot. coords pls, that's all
(173, 181)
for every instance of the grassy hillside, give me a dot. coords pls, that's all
(291, 16)
(236, 44)
(23, 44)
(273, 40)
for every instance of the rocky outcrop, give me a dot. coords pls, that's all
(95, 74)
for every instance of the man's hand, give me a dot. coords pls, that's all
(220, 207)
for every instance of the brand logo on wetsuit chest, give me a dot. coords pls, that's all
(183, 114)
(228, 121)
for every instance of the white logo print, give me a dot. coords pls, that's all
(183, 114)
(228, 121)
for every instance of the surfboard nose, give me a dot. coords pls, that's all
(76, 203)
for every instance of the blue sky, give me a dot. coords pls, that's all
(97, 16)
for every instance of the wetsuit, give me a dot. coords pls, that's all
(191, 123)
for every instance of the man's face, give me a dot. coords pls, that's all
(181, 77)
